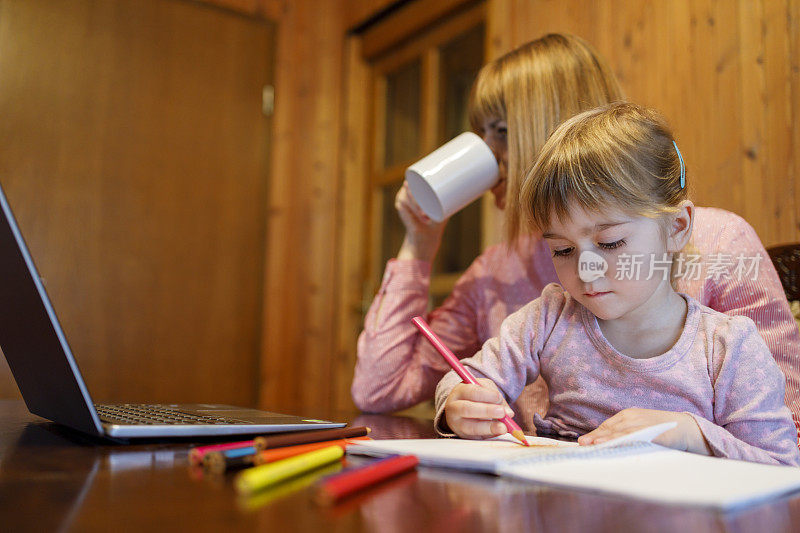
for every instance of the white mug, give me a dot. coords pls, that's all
(452, 176)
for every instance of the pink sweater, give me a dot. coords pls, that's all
(720, 372)
(398, 368)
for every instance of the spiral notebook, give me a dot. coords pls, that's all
(631, 466)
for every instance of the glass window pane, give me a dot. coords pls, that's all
(461, 242)
(461, 59)
(403, 123)
(393, 229)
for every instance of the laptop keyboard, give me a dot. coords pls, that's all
(137, 414)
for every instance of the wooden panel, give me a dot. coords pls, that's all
(406, 23)
(722, 75)
(134, 155)
(352, 259)
(430, 100)
(793, 23)
(435, 36)
(269, 9)
(499, 37)
(302, 241)
(357, 12)
(765, 64)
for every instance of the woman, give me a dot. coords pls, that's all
(517, 101)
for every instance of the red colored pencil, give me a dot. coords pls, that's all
(463, 373)
(338, 486)
(199, 452)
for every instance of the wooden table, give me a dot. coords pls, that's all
(52, 479)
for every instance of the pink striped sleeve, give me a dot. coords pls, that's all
(751, 422)
(396, 367)
(759, 296)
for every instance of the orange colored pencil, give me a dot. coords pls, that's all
(268, 456)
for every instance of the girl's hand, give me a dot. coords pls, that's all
(686, 436)
(474, 411)
(423, 235)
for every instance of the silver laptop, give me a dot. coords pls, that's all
(51, 384)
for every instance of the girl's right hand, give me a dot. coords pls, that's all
(423, 235)
(474, 411)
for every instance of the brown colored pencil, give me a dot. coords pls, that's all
(304, 437)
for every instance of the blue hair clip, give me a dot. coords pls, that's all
(683, 167)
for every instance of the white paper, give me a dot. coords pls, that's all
(666, 476)
(630, 466)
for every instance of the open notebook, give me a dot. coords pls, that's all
(629, 466)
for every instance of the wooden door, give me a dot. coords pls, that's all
(134, 154)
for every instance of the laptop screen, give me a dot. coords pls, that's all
(32, 340)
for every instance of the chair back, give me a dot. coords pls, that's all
(786, 259)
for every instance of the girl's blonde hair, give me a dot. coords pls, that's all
(620, 156)
(534, 88)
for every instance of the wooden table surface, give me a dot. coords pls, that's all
(52, 479)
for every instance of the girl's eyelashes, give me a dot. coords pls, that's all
(611, 245)
(564, 252)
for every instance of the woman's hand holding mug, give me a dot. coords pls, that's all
(423, 235)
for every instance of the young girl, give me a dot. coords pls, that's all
(618, 347)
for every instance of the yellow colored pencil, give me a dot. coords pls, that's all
(259, 477)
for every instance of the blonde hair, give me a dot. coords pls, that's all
(619, 156)
(534, 88)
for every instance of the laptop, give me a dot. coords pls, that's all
(51, 384)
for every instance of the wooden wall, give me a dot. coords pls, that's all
(300, 284)
(134, 155)
(298, 369)
(725, 74)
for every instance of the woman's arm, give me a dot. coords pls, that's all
(751, 421)
(756, 293)
(396, 366)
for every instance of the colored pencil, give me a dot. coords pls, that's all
(219, 462)
(197, 453)
(463, 373)
(356, 501)
(259, 477)
(304, 437)
(276, 454)
(352, 480)
(290, 486)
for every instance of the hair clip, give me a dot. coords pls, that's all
(683, 167)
